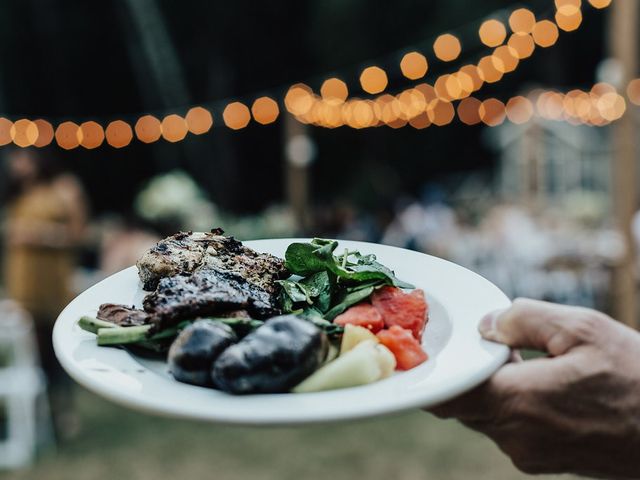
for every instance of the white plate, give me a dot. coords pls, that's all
(459, 358)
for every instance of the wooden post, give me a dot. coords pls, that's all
(299, 153)
(623, 43)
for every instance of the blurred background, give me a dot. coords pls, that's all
(500, 135)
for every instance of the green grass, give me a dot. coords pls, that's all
(116, 443)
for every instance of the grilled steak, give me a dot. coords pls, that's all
(206, 292)
(185, 252)
(122, 315)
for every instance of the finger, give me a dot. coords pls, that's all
(555, 329)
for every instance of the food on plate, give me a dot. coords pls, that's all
(194, 350)
(353, 335)
(405, 347)
(272, 359)
(406, 310)
(185, 252)
(362, 314)
(366, 363)
(243, 322)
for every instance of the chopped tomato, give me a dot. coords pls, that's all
(404, 346)
(364, 315)
(406, 310)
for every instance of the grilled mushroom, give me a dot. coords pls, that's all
(272, 359)
(194, 350)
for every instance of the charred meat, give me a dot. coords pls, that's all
(185, 252)
(206, 293)
(122, 315)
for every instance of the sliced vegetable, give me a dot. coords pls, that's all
(353, 335)
(366, 363)
(404, 346)
(91, 324)
(362, 314)
(406, 310)
(123, 335)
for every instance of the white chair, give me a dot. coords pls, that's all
(22, 389)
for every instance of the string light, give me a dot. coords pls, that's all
(334, 90)
(492, 33)
(633, 91)
(67, 135)
(148, 129)
(414, 65)
(199, 120)
(492, 112)
(600, 3)
(118, 134)
(236, 115)
(5, 131)
(24, 133)
(519, 110)
(469, 111)
(373, 80)
(522, 20)
(265, 110)
(45, 133)
(545, 33)
(92, 135)
(522, 44)
(447, 47)
(174, 128)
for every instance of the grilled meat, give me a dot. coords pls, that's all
(185, 252)
(206, 292)
(122, 315)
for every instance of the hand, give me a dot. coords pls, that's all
(575, 411)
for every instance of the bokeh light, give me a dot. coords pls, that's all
(440, 88)
(421, 121)
(568, 18)
(24, 132)
(362, 114)
(519, 110)
(505, 59)
(118, 134)
(473, 73)
(545, 33)
(265, 110)
(487, 69)
(611, 106)
(45, 133)
(447, 47)
(334, 90)
(236, 115)
(92, 135)
(199, 120)
(68, 135)
(522, 44)
(469, 111)
(600, 3)
(427, 91)
(414, 65)
(412, 103)
(633, 91)
(148, 129)
(492, 33)
(299, 99)
(174, 128)
(440, 112)
(492, 112)
(522, 20)
(373, 80)
(5, 131)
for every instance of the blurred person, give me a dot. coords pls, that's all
(576, 410)
(45, 221)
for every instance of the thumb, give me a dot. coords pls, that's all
(552, 328)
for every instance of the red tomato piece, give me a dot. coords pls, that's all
(364, 315)
(406, 310)
(404, 346)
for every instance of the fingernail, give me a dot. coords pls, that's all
(488, 326)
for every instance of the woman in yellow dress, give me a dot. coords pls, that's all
(45, 222)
